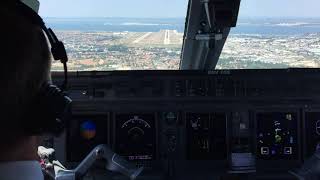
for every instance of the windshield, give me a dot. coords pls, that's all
(118, 35)
(144, 34)
(274, 34)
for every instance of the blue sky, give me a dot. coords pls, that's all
(172, 8)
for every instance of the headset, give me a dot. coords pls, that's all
(52, 107)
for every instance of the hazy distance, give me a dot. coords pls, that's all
(172, 8)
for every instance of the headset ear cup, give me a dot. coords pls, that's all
(53, 109)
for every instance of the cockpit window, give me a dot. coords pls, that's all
(274, 34)
(146, 35)
(118, 35)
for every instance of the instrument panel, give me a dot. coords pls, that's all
(277, 135)
(206, 136)
(84, 133)
(190, 124)
(135, 136)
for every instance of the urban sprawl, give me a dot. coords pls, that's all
(162, 50)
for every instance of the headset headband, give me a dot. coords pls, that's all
(57, 47)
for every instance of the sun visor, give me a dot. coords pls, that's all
(34, 4)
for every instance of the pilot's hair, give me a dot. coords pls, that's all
(25, 66)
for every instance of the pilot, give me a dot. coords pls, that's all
(25, 65)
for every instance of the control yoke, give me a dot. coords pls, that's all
(115, 163)
(310, 170)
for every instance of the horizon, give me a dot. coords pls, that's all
(239, 18)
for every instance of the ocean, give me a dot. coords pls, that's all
(262, 26)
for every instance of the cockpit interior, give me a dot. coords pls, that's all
(195, 118)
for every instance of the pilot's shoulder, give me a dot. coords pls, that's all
(21, 170)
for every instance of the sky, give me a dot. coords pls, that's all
(171, 8)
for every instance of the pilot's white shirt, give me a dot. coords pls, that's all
(20, 170)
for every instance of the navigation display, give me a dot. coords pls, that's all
(277, 134)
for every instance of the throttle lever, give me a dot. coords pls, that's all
(114, 162)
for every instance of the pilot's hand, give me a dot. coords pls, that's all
(46, 153)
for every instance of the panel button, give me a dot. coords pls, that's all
(265, 151)
(288, 150)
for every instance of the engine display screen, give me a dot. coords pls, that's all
(206, 138)
(85, 133)
(136, 136)
(312, 120)
(277, 135)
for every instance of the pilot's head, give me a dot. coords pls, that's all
(25, 66)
